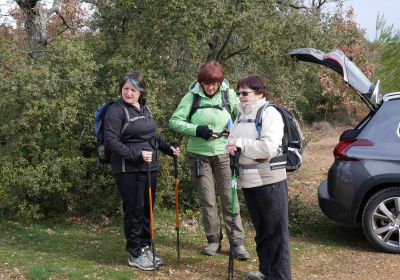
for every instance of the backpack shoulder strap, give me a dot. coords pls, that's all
(123, 107)
(225, 101)
(195, 106)
(126, 119)
(148, 110)
(286, 130)
(131, 120)
(259, 119)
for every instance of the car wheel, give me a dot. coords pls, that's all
(381, 220)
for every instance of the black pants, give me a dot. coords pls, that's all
(268, 209)
(135, 202)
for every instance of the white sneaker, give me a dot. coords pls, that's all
(159, 261)
(141, 262)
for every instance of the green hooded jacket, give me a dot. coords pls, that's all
(216, 119)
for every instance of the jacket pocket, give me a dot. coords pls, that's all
(199, 169)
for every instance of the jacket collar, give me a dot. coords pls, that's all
(250, 107)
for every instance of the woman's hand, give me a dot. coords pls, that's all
(147, 156)
(213, 136)
(204, 132)
(231, 146)
(175, 151)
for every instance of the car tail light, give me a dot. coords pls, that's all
(340, 151)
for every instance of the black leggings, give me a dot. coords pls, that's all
(133, 188)
(268, 209)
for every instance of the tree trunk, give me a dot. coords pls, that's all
(36, 31)
(36, 17)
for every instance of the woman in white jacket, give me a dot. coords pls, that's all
(265, 188)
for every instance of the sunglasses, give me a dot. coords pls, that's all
(243, 93)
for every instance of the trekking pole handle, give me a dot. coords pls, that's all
(234, 163)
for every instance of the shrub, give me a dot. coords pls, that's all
(321, 126)
(46, 141)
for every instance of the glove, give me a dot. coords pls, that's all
(225, 132)
(234, 162)
(203, 131)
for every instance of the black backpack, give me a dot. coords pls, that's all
(196, 104)
(291, 142)
(102, 154)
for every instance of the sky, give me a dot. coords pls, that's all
(366, 12)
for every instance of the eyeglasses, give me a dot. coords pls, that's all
(243, 93)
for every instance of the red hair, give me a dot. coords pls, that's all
(210, 72)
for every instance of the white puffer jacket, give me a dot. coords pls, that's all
(251, 148)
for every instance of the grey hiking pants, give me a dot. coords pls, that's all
(216, 181)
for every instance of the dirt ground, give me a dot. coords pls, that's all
(15, 273)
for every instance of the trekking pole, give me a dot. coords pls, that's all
(175, 145)
(151, 215)
(234, 163)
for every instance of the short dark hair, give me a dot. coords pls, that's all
(136, 78)
(255, 83)
(210, 72)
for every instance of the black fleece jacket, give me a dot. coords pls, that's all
(126, 149)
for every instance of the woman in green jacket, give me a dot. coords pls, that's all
(203, 114)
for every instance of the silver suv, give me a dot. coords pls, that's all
(363, 184)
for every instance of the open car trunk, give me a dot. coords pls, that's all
(352, 75)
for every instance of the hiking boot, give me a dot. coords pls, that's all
(159, 261)
(241, 253)
(141, 262)
(256, 275)
(211, 249)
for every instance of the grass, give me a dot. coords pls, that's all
(60, 251)
(78, 250)
(66, 250)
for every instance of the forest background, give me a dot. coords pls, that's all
(60, 61)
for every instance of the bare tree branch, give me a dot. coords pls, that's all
(321, 3)
(298, 7)
(313, 5)
(54, 9)
(59, 33)
(63, 20)
(225, 43)
(240, 51)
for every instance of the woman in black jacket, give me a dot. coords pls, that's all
(131, 138)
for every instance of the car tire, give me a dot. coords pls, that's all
(381, 220)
